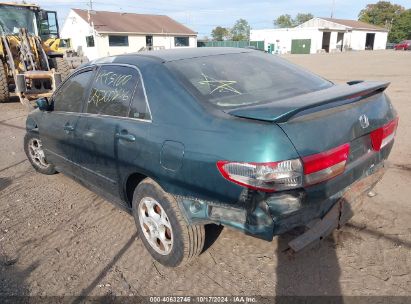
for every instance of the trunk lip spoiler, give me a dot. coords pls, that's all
(281, 111)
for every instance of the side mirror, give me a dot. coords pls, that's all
(43, 104)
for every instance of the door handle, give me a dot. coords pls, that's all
(125, 136)
(68, 128)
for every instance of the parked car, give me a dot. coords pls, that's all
(237, 137)
(403, 45)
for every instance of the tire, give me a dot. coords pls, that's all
(36, 156)
(4, 86)
(62, 66)
(187, 241)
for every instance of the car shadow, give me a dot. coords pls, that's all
(315, 270)
(212, 232)
(12, 279)
(312, 272)
(12, 276)
(86, 291)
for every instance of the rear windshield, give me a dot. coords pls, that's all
(235, 80)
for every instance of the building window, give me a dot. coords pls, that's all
(181, 41)
(118, 40)
(90, 41)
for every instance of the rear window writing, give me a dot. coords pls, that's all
(111, 90)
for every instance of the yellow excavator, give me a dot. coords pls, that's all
(33, 57)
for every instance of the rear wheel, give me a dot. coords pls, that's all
(35, 154)
(162, 228)
(62, 67)
(4, 86)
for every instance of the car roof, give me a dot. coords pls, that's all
(188, 53)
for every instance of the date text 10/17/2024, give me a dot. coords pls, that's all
(203, 299)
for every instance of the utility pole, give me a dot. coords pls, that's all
(90, 8)
(332, 9)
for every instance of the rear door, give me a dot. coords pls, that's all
(139, 155)
(58, 128)
(102, 125)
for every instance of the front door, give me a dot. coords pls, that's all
(58, 129)
(102, 125)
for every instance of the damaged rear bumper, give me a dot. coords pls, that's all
(339, 214)
(265, 217)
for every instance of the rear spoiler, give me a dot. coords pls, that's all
(282, 110)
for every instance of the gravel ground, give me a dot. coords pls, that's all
(58, 238)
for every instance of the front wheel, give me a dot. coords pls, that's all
(162, 228)
(35, 154)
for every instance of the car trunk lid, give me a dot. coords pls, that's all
(319, 122)
(325, 119)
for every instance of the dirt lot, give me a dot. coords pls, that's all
(57, 238)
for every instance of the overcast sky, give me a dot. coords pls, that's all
(203, 15)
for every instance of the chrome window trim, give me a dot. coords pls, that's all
(91, 67)
(82, 114)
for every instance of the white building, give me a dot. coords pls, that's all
(323, 35)
(101, 33)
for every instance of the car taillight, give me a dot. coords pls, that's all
(325, 165)
(268, 177)
(291, 174)
(382, 136)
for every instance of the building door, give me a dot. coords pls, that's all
(369, 41)
(340, 41)
(326, 41)
(300, 46)
(149, 42)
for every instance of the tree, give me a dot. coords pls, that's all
(287, 21)
(401, 27)
(388, 15)
(220, 33)
(240, 31)
(283, 21)
(382, 13)
(302, 17)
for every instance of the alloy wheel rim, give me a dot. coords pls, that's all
(37, 154)
(155, 225)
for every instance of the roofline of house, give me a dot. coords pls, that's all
(321, 29)
(135, 33)
(122, 13)
(377, 29)
(145, 33)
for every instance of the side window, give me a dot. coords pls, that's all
(139, 107)
(69, 97)
(111, 90)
